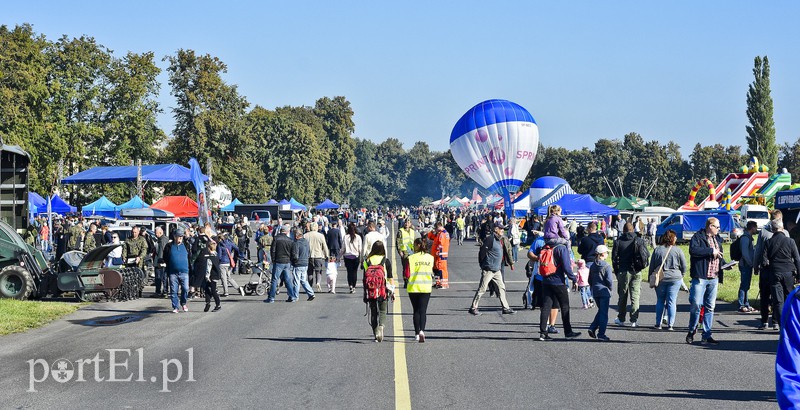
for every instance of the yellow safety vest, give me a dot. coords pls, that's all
(407, 240)
(420, 278)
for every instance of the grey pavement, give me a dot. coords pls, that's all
(320, 354)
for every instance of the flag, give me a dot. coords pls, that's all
(204, 214)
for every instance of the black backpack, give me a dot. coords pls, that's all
(641, 255)
(736, 249)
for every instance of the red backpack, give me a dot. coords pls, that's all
(375, 281)
(547, 263)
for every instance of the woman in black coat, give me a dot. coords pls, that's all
(208, 264)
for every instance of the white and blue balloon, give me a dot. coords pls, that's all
(495, 143)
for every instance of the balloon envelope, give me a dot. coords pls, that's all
(495, 144)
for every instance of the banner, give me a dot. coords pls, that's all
(204, 213)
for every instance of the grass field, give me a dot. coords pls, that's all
(21, 315)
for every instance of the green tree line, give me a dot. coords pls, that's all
(74, 101)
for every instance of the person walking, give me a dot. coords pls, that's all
(440, 250)
(461, 225)
(782, 265)
(162, 285)
(227, 262)
(420, 283)
(746, 264)
(208, 262)
(405, 246)
(706, 260)
(629, 276)
(177, 256)
(319, 253)
(763, 280)
(515, 237)
(300, 260)
(334, 240)
(672, 262)
(281, 264)
(554, 293)
(370, 237)
(264, 246)
(601, 280)
(378, 307)
(352, 255)
(490, 258)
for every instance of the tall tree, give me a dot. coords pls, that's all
(761, 130)
(209, 122)
(337, 121)
(24, 103)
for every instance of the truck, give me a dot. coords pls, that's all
(686, 224)
(757, 213)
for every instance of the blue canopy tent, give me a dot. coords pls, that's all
(231, 206)
(576, 204)
(272, 202)
(327, 204)
(101, 207)
(111, 175)
(34, 202)
(294, 205)
(284, 202)
(134, 203)
(58, 206)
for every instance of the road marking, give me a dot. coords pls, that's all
(402, 392)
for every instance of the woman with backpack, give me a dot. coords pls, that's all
(420, 283)
(377, 278)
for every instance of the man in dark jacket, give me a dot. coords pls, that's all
(334, 239)
(300, 256)
(490, 258)
(554, 293)
(629, 279)
(705, 268)
(781, 264)
(162, 286)
(589, 243)
(177, 257)
(281, 253)
(765, 299)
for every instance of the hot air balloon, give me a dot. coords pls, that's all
(495, 143)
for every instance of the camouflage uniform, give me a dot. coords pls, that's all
(135, 247)
(89, 242)
(75, 235)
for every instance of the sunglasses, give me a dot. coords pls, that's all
(715, 226)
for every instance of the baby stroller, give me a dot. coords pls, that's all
(259, 279)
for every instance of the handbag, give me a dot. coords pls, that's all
(657, 276)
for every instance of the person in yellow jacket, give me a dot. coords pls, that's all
(405, 246)
(420, 283)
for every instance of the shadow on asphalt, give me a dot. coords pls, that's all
(726, 395)
(124, 316)
(309, 339)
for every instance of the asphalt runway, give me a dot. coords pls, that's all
(320, 354)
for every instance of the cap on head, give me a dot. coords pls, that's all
(601, 249)
(180, 232)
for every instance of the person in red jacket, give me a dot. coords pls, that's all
(439, 250)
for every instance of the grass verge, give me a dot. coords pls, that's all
(21, 315)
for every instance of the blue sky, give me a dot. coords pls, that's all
(676, 70)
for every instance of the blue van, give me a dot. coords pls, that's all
(686, 224)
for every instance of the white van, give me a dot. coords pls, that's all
(758, 213)
(658, 213)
